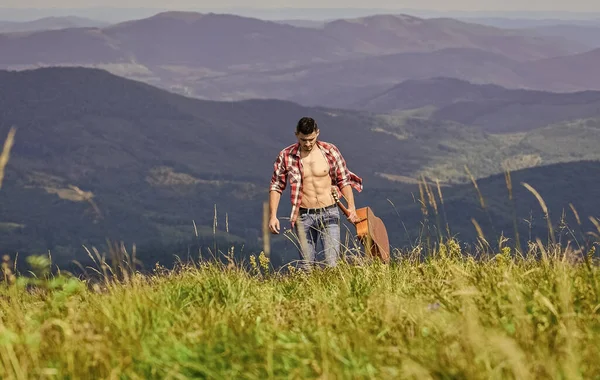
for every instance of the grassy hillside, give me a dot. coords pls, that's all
(450, 316)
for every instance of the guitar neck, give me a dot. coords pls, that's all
(343, 208)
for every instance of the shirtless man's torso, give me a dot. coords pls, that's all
(316, 180)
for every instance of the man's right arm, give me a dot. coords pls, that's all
(274, 198)
(278, 184)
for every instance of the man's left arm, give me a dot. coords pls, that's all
(345, 181)
(349, 195)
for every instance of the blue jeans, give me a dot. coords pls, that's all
(321, 226)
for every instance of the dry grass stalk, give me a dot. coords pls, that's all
(266, 232)
(544, 209)
(8, 144)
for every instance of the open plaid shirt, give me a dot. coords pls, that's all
(288, 165)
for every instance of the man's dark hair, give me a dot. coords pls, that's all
(307, 125)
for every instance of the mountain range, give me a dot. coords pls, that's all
(227, 57)
(162, 132)
(493, 108)
(224, 41)
(341, 83)
(98, 157)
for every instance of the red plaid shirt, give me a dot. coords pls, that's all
(288, 164)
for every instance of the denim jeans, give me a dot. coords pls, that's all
(321, 227)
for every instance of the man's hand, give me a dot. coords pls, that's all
(352, 217)
(274, 225)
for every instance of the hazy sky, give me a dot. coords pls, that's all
(439, 5)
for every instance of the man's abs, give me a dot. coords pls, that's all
(316, 183)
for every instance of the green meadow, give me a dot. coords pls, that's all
(449, 315)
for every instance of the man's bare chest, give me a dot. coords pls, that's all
(315, 164)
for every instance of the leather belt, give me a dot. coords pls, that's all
(303, 210)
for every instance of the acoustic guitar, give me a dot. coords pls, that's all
(370, 230)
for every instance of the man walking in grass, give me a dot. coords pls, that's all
(313, 168)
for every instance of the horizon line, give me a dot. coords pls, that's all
(307, 8)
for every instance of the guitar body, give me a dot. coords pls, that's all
(373, 234)
(370, 230)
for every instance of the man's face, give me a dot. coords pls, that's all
(307, 142)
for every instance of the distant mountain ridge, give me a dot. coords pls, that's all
(222, 42)
(344, 83)
(436, 91)
(565, 73)
(49, 23)
(418, 34)
(494, 108)
(588, 35)
(340, 83)
(227, 57)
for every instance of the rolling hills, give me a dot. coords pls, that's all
(493, 108)
(560, 185)
(150, 161)
(342, 84)
(582, 34)
(98, 156)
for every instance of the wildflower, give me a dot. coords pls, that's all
(264, 261)
(253, 262)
